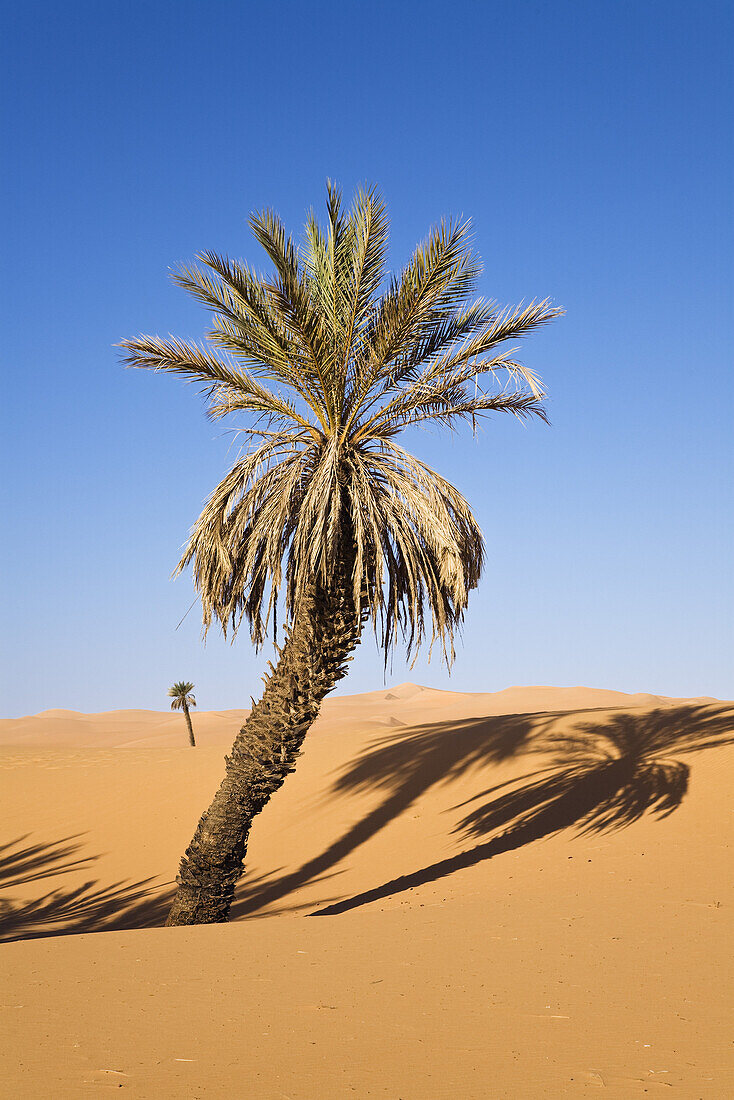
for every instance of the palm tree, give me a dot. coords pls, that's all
(324, 508)
(182, 700)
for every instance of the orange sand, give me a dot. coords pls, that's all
(472, 942)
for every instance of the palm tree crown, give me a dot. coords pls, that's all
(332, 360)
(181, 695)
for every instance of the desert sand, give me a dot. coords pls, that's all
(514, 895)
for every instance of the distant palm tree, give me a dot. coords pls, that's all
(182, 700)
(327, 508)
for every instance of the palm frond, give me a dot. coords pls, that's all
(328, 369)
(433, 286)
(219, 378)
(181, 695)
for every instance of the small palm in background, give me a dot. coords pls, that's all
(182, 700)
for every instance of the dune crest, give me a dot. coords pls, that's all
(121, 728)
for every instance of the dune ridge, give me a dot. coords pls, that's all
(113, 729)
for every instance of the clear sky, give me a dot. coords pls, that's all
(590, 143)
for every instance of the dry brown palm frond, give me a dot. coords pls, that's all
(328, 371)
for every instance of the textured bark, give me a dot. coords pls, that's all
(190, 728)
(325, 631)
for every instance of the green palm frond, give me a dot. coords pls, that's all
(329, 368)
(181, 695)
(220, 379)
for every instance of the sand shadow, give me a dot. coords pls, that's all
(604, 775)
(405, 765)
(67, 910)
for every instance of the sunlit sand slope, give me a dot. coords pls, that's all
(519, 894)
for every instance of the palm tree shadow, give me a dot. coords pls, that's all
(602, 776)
(404, 767)
(70, 909)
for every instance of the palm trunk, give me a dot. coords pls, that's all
(190, 728)
(325, 630)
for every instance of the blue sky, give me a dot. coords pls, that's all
(591, 146)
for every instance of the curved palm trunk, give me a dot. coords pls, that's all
(325, 631)
(190, 728)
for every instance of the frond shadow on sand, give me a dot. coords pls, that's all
(70, 909)
(613, 768)
(404, 766)
(604, 775)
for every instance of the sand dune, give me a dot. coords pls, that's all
(123, 728)
(516, 894)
